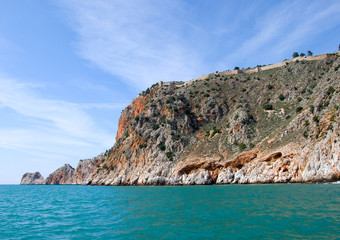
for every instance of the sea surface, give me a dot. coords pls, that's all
(279, 211)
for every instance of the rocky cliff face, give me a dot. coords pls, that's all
(62, 175)
(32, 179)
(278, 125)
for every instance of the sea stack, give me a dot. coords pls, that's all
(32, 179)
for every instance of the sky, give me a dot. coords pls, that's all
(69, 67)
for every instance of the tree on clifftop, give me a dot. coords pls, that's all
(309, 53)
(302, 54)
(295, 54)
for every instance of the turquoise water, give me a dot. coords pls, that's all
(292, 211)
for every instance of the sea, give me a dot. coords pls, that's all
(268, 211)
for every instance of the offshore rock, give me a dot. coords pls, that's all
(32, 179)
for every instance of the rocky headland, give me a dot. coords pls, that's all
(270, 124)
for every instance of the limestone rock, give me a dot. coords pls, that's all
(32, 179)
(63, 175)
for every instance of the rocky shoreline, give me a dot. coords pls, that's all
(275, 126)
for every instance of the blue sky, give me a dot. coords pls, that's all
(68, 68)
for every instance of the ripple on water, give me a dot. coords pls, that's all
(295, 211)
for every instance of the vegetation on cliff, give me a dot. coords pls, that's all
(275, 125)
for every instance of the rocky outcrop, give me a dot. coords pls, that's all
(32, 179)
(63, 175)
(85, 169)
(274, 126)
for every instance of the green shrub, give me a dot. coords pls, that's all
(162, 147)
(242, 146)
(137, 118)
(305, 134)
(298, 109)
(177, 136)
(330, 90)
(215, 130)
(251, 117)
(316, 119)
(281, 97)
(299, 99)
(332, 118)
(144, 145)
(169, 155)
(268, 106)
(269, 86)
(155, 127)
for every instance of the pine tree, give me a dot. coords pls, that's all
(295, 54)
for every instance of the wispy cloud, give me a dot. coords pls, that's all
(315, 19)
(140, 41)
(143, 42)
(284, 27)
(47, 125)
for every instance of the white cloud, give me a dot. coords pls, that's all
(49, 125)
(66, 117)
(315, 20)
(140, 41)
(287, 26)
(39, 134)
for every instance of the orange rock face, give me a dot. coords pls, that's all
(133, 110)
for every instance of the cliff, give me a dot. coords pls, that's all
(275, 124)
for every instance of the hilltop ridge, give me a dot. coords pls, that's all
(275, 123)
